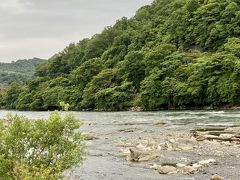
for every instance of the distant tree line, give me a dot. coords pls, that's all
(171, 54)
(18, 71)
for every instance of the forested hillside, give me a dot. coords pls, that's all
(18, 71)
(171, 54)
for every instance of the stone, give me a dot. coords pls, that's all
(167, 170)
(189, 170)
(216, 177)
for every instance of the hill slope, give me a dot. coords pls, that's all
(19, 71)
(171, 54)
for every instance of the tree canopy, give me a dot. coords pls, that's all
(171, 54)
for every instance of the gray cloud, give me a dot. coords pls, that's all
(40, 28)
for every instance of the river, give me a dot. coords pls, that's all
(109, 128)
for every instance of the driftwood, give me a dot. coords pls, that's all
(219, 134)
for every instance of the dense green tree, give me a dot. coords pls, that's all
(171, 54)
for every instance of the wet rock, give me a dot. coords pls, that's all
(189, 170)
(216, 177)
(167, 170)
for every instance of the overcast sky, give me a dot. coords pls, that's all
(40, 28)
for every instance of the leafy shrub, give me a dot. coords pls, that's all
(39, 149)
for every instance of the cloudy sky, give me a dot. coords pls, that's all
(40, 28)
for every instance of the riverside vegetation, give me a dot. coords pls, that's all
(39, 149)
(171, 54)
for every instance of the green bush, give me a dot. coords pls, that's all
(39, 149)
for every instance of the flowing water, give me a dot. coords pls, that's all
(109, 128)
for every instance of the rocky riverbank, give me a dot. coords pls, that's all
(184, 152)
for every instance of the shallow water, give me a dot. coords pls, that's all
(108, 126)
